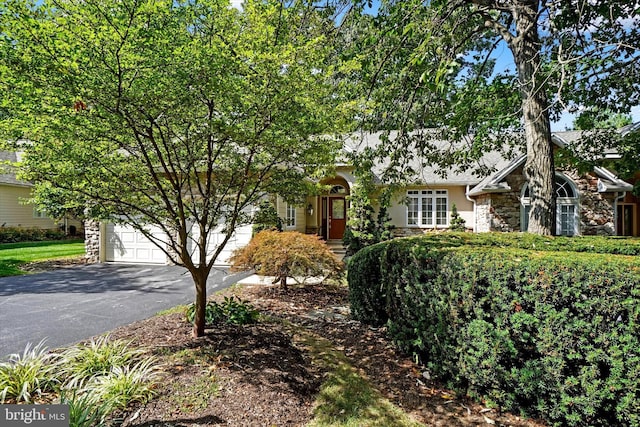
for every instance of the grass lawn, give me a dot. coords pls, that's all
(13, 255)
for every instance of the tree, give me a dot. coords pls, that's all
(438, 55)
(456, 223)
(180, 115)
(596, 119)
(286, 254)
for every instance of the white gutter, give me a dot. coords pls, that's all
(475, 215)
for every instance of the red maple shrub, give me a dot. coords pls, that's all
(287, 254)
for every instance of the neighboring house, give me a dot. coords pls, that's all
(15, 211)
(592, 203)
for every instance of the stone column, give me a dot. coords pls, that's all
(92, 240)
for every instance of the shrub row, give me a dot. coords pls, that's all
(552, 334)
(17, 235)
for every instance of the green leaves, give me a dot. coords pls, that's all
(521, 321)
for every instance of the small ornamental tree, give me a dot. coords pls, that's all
(287, 254)
(457, 223)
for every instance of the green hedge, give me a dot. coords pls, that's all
(17, 234)
(551, 334)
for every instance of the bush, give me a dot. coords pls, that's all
(551, 333)
(287, 254)
(366, 291)
(17, 235)
(231, 310)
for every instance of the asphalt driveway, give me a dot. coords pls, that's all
(71, 304)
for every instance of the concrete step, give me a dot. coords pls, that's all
(336, 247)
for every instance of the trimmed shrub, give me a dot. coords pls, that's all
(553, 334)
(287, 254)
(366, 290)
(17, 235)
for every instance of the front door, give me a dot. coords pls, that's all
(337, 217)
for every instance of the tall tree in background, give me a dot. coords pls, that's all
(177, 115)
(439, 56)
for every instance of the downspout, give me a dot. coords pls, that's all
(615, 211)
(475, 217)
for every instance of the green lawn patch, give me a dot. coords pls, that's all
(14, 255)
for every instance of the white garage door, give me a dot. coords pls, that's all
(125, 244)
(240, 238)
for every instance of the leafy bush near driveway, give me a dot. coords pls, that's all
(554, 334)
(232, 310)
(287, 254)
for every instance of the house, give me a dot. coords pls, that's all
(593, 203)
(15, 209)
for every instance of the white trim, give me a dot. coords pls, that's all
(290, 216)
(561, 202)
(426, 200)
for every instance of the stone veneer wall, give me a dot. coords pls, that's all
(597, 210)
(504, 209)
(92, 240)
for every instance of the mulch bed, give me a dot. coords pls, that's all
(263, 378)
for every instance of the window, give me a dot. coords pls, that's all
(39, 214)
(290, 219)
(338, 189)
(566, 207)
(427, 208)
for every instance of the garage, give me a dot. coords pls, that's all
(126, 244)
(240, 238)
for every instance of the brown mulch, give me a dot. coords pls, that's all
(263, 376)
(42, 266)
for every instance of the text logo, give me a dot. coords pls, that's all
(34, 415)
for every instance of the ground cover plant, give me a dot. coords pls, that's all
(96, 379)
(28, 376)
(550, 330)
(14, 256)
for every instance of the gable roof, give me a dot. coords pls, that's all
(495, 183)
(426, 173)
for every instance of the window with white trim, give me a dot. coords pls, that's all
(566, 207)
(427, 208)
(290, 217)
(39, 214)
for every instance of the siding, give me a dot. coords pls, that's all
(15, 212)
(398, 210)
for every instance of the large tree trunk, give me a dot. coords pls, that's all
(539, 168)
